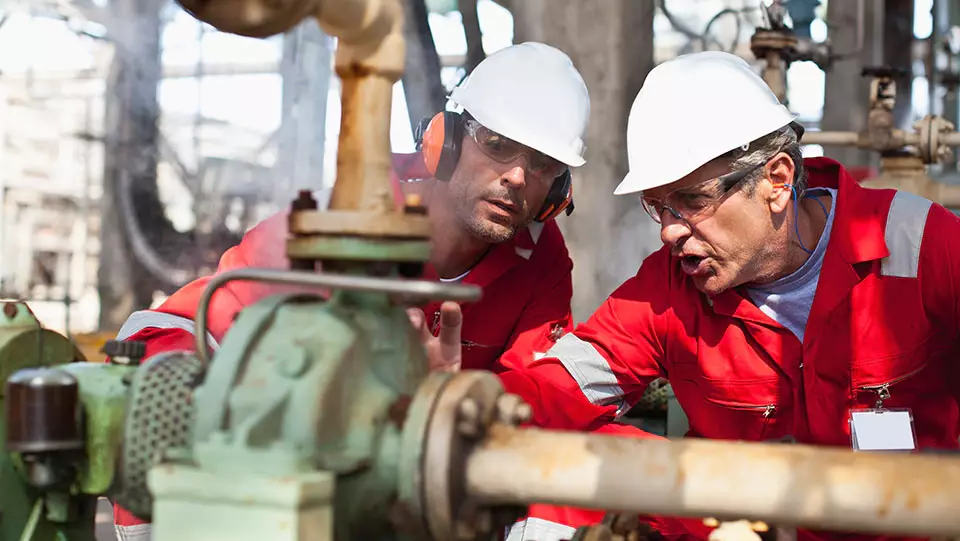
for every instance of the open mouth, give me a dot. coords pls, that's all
(692, 264)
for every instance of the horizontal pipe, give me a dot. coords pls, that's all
(950, 139)
(842, 138)
(781, 484)
(845, 138)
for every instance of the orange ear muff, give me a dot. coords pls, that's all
(432, 143)
(440, 144)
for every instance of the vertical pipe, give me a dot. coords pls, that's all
(369, 60)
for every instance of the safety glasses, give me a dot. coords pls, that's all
(697, 202)
(505, 150)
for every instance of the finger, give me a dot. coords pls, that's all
(419, 321)
(416, 317)
(451, 322)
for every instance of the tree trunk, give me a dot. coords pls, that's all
(608, 236)
(422, 85)
(130, 160)
(471, 29)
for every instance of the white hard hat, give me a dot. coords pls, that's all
(691, 110)
(532, 94)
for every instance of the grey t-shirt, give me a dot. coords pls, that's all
(788, 300)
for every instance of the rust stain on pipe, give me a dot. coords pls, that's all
(548, 459)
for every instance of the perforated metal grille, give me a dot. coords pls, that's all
(159, 417)
(655, 397)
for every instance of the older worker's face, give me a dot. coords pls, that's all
(724, 227)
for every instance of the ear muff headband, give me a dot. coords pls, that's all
(559, 198)
(440, 144)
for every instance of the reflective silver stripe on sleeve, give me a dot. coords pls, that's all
(906, 220)
(137, 532)
(146, 319)
(591, 371)
(538, 529)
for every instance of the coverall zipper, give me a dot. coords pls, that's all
(769, 411)
(883, 390)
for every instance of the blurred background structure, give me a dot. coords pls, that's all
(138, 144)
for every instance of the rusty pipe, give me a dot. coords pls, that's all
(785, 485)
(369, 60)
(354, 21)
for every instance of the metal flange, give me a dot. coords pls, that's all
(765, 40)
(448, 417)
(346, 248)
(371, 224)
(463, 409)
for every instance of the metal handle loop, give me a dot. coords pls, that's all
(411, 289)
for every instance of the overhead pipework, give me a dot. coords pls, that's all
(904, 155)
(364, 227)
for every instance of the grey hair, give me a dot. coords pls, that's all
(761, 150)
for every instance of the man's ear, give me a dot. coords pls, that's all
(780, 171)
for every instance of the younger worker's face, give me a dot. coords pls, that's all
(728, 234)
(499, 185)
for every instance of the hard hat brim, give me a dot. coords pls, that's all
(638, 181)
(631, 183)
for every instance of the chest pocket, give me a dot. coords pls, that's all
(479, 356)
(744, 409)
(917, 379)
(901, 379)
(482, 342)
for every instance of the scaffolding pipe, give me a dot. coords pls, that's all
(849, 138)
(781, 484)
(840, 138)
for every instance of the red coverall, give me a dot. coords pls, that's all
(525, 306)
(884, 320)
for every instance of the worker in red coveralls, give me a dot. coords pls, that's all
(786, 302)
(496, 174)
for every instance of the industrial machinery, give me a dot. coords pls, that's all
(904, 155)
(317, 417)
(778, 46)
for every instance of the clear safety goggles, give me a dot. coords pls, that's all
(505, 150)
(697, 202)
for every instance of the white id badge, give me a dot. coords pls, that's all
(882, 430)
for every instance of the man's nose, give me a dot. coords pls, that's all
(672, 229)
(516, 175)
